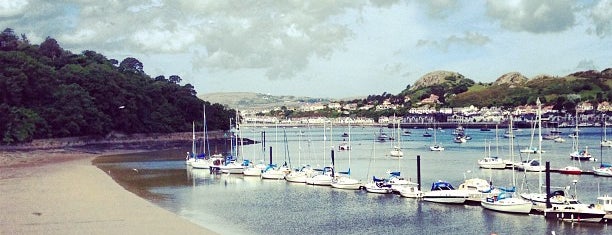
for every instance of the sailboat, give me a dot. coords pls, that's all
(376, 185)
(491, 162)
(577, 154)
(397, 149)
(326, 175)
(204, 162)
(436, 146)
(256, 169)
(277, 172)
(533, 164)
(344, 181)
(232, 164)
(306, 171)
(605, 142)
(505, 201)
(191, 155)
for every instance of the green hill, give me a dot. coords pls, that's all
(47, 92)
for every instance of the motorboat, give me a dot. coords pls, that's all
(505, 201)
(575, 212)
(605, 203)
(477, 189)
(444, 192)
(583, 155)
(530, 165)
(556, 198)
(570, 170)
(492, 163)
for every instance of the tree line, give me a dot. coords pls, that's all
(49, 92)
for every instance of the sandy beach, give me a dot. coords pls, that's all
(61, 192)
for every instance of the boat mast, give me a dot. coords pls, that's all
(193, 143)
(539, 116)
(204, 150)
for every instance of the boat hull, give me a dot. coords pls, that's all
(510, 205)
(575, 215)
(445, 199)
(346, 183)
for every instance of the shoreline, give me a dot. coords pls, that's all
(60, 191)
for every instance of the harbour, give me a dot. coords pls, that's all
(255, 206)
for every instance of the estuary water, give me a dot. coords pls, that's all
(235, 204)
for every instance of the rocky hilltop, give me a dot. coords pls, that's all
(436, 78)
(513, 78)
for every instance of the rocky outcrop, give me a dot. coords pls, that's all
(436, 78)
(513, 78)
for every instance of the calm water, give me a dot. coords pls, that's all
(233, 204)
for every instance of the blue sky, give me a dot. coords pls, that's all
(333, 49)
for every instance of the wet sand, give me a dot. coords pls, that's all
(61, 192)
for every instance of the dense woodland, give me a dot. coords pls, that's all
(49, 92)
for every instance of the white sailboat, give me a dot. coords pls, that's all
(256, 169)
(397, 149)
(436, 146)
(577, 154)
(532, 165)
(605, 142)
(505, 201)
(376, 185)
(344, 180)
(306, 171)
(205, 162)
(491, 162)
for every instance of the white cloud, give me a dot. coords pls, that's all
(534, 16)
(586, 65)
(602, 17)
(11, 8)
(468, 39)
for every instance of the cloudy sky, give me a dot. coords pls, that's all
(326, 48)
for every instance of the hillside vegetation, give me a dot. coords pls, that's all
(49, 92)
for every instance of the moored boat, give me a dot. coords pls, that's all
(506, 202)
(492, 163)
(575, 213)
(570, 170)
(444, 192)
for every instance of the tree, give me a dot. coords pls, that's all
(50, 48)
(20, 126)
(175, 79)
(8, 40)
(160, 78)
(131, 65)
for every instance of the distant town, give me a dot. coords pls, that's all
(427, 115)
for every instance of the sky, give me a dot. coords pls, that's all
(326, 48)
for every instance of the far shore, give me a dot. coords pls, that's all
(47, 189)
